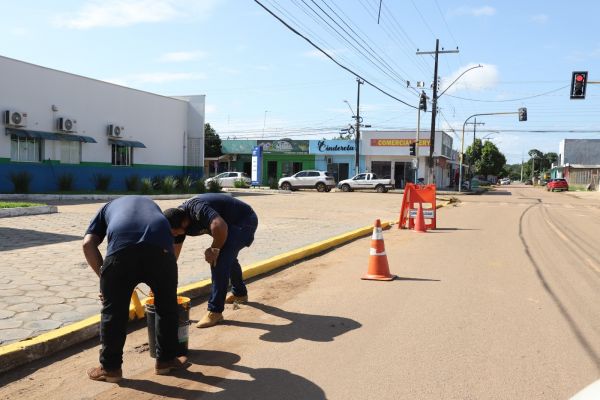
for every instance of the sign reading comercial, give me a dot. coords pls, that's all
(398, 142)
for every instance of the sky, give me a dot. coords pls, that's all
(263, 81)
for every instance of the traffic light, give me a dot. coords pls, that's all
(413, 148)
(423, 102)
(578, 84)
(522, 114)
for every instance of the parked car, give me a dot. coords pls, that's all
(309, 179)
(227, 179)
(557, 184)
(528, 182)
(365, 181)
(505, 181)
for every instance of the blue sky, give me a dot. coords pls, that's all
(263, 81)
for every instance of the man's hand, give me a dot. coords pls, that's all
(211, 254)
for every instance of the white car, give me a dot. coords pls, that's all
(311, 179)
(227, 179)
(505, 181)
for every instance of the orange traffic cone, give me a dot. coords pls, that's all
(379, 269)
(420, 221)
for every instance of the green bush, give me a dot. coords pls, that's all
(169, 184)
(214, 186)
(21, 181)
(101, 182)
(65, 182)
(132, 182)
(200, 186)
(146, 186)
(240, 184)
(157, 182)
(186, 183)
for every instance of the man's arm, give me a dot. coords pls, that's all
(177, 249)
(91, 252)
(218, 231)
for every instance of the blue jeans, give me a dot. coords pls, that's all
(239, 235)
(119, 275)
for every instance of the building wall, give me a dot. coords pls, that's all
(580, 151)
(163, 124)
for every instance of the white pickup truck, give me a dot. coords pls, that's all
(365, 181)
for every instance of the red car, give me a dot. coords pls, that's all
(557, 184)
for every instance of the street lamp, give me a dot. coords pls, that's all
(462, 143)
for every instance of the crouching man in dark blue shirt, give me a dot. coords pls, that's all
(140, 249)
(232, 224)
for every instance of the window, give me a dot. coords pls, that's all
(313, 173)
(70, 152)
(122, 155)
(301, 174)
(25, 149)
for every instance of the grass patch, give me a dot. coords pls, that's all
(15, 204)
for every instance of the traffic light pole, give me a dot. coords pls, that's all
(434, 102)
(462, 144)
(417, 144)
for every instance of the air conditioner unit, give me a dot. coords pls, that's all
(114, 130)
(66, 124)
(15, 118)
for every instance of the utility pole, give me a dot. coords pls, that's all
(434, 100)
(474, 123)
(357, 138)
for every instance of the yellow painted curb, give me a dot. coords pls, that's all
(15, 354)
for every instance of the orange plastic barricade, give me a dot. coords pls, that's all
(413, 195)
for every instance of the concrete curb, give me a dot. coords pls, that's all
(19, 353)
(20, 211)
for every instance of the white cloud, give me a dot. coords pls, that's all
(155, 77)
(485, 11)
(540, 18)
(181, 56)
(476, 79)
(121, 13)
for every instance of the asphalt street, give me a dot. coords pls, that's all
(500, 302)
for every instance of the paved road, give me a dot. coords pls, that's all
(45, 282)
(501, 302)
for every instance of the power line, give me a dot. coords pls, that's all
(504, 101)
(330, 57)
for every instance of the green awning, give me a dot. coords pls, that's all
(127, 143)
(25, 133)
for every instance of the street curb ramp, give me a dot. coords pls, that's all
(19, 353)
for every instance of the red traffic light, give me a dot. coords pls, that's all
(578, 85)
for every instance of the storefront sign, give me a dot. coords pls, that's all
(284, 146)
(332, 147)
(398, 142)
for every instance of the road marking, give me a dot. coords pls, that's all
(588, 261)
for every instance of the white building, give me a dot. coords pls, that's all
(57, 123)
(387, 153)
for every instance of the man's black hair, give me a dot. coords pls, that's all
(175, 217)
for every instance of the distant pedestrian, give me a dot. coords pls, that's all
(232, 225)
(140, 249)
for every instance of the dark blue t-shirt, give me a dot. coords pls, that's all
(131, 220)
(202, 209)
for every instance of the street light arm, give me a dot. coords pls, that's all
(350, 107)
(464, 72)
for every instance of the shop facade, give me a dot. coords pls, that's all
(335, 156)
(387, 154)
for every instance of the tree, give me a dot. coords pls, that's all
(473, 152)
(212, 142)
(491, 162)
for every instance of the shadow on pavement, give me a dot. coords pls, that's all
(453, 229)
(497, 193)
(400, 278)
(317, 328)
(262, 383)
(12, 238)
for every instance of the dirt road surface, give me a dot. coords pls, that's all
(501, 302)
